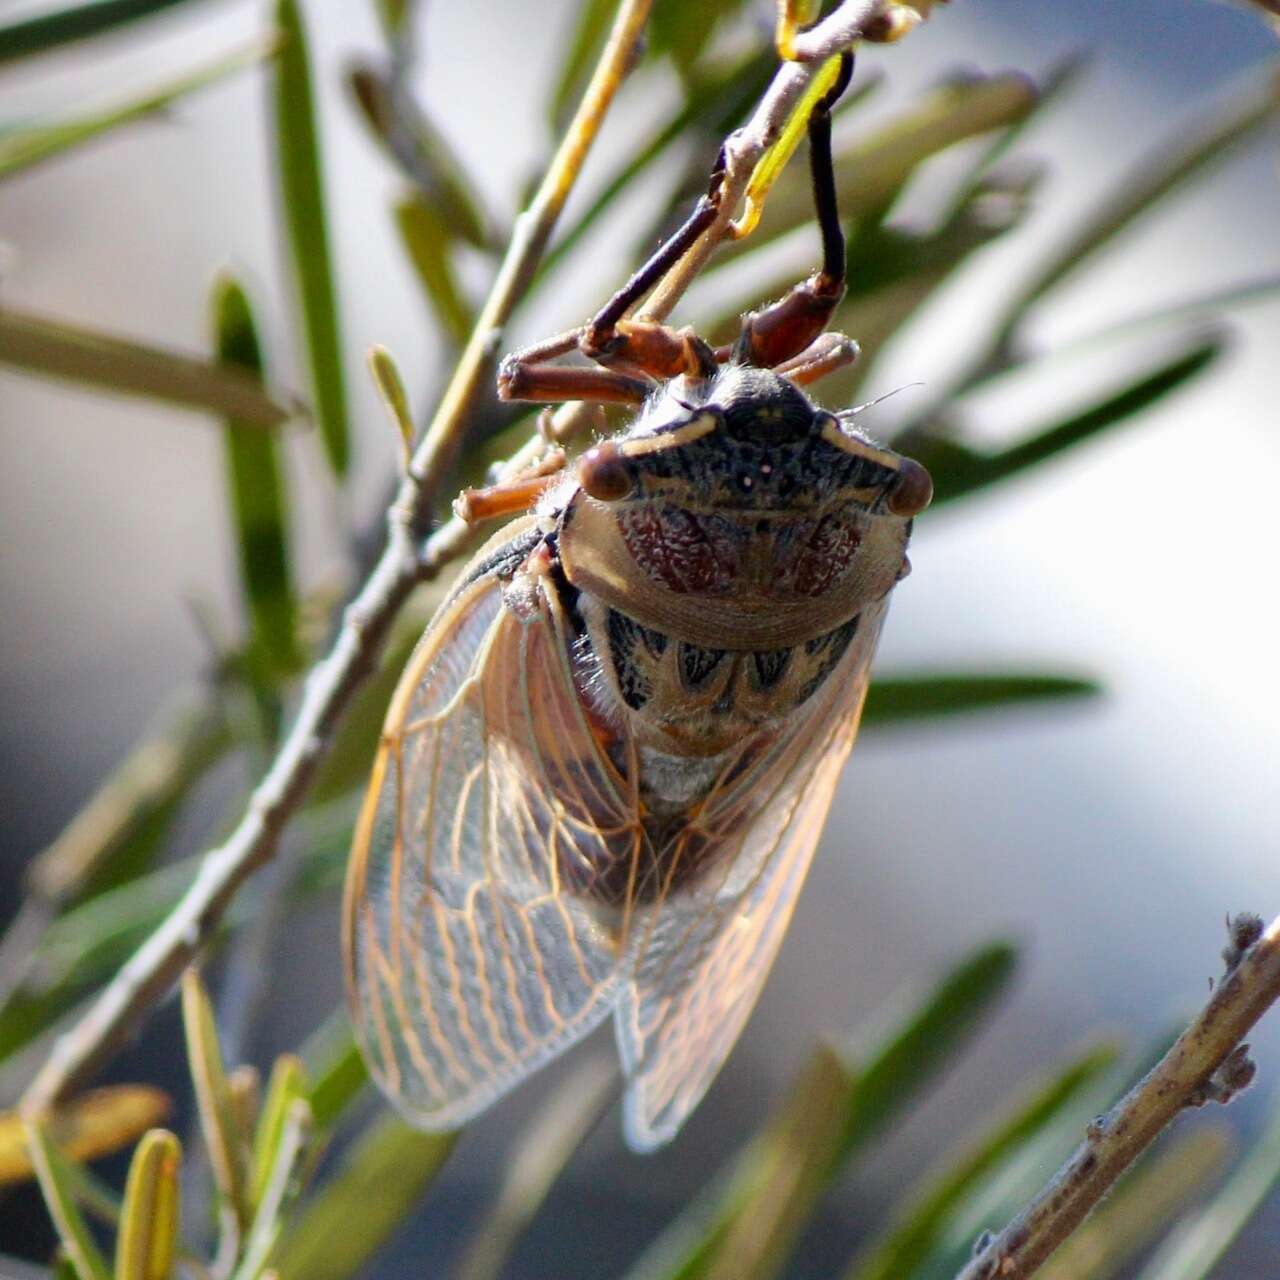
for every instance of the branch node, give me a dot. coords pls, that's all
(1243, 931)
(1234, 1076)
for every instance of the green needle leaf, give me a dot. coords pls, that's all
(1207, 144)
(425, 235)
(281, 1185)
(337, 1068)
(257, 498)
(682, 30)
(53, 349)
(412, 140)
(149, 1217)
(893, 700)
(27, 145)
(302, 184)
(902, 1063)
(958, 470)
(222, 1137)
(48, 31)
(288, 1083)
(380, 1181)
(58, 1187)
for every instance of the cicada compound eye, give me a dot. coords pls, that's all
(912, 491)
(603, 473)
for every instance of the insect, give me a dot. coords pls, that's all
(606, 767)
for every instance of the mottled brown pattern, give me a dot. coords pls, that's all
(685, 552)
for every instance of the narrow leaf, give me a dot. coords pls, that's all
(280, 1187)
(94, 1124)
(1206, 143)
(424, 234)
(390, 388)
(213, 1098)
(148, 1235)
(38, 34)
(958, 470)
(52, 1168)
(915, 1236)
(257, 498)
(536, 1162)
(288, 1083)
(28, 145)
(682, 30)
(411, 139)
(1198, 1243)
(395, 16)
(35, 344)
(904, 1062)
(1204, 307)
(302, 184)
(893, 700)
(337, 1069)
(379, 1182)
(188, 739)
(1059, 80)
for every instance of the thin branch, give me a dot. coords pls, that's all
(1207, 1063)
(152, 970)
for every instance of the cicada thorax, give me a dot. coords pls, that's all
(725, 556)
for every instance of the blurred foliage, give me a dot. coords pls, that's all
(98, 891)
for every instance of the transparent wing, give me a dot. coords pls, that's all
(707, 953)
(469, 963)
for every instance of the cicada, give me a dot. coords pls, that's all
(607, 765)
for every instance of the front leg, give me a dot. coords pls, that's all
(791, 325)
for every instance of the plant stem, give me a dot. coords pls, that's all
(1182, 1078)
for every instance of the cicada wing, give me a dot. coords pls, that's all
(704, 961)
(469, 960)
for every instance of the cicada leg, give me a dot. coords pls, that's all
(528, 374)
(512, 496)
(789, 327)
(631, 356)
(827, 354)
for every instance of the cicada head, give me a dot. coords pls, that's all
(737, 512)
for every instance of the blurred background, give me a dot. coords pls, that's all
(1107, 836)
